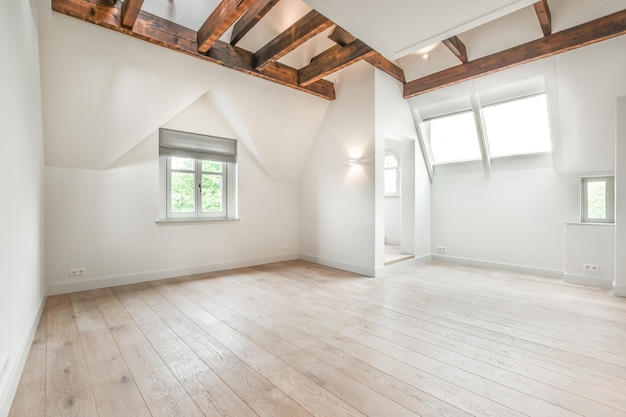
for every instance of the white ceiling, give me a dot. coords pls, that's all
(396, 28)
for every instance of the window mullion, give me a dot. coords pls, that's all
(198, 187)
(481, 133)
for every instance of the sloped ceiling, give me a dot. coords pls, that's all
(396, 28)
(99, 103)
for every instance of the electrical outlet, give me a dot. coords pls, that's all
(285, 248)
(590, 267)
(77, 271)
(441, 249)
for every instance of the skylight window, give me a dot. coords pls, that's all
(517, 127)
(453, 138)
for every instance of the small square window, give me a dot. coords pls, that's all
(597, 200)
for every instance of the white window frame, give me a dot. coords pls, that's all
(609, 181)
(199, 148)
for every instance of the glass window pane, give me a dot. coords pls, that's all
(391, 161)
(391, 181)
(211, 166)
(182, 163)
(453, 138)
(596, 199)
(518, 127)
(182, 193)
(211, 193)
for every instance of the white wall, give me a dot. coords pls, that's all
(394, 121)
(592, 244)
(517, 216)
(336, 201)
(21, 165)
(104, 220)
(620, 199)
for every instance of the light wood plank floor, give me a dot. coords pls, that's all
(298, 340)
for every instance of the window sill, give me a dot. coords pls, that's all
(185, 221)
(589, 224)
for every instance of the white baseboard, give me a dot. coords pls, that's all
(382, 271)
(547, 273)
(105, 282)
(619, 291)
(589, 281)
(16, 367)
(357, 269)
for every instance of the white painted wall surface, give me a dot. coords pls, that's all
(518, 216)
(21, 182)
(511, 218)
(336, 201)
(592, 244)
(104, 220)
(620, 199)
(393, 121)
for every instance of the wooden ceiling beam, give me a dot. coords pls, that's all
(170, 35)
(334, 59)
(342, 37)
(222, 18)
(457, 47)
(304, 29)
(545, 17)
(582, 35)
(130, 11)
(385, 65)
(250, 19)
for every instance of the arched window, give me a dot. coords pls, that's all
(392, 174)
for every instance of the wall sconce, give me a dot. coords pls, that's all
(355, 161)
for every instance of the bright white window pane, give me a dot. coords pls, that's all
(182, 163)
(391, 181)
(518, 127)
(391, 161)
(453, 138)
(211, 193)
(211, 166)
(596, 199)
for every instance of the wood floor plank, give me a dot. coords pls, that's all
(162, 392)
(263, 397)
(294, 339)
(116, 392)
(66, 364)
(313, 398)
(211, 394)
(449, 392)
(30, 398)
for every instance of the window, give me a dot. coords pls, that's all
(497, 121)
(392, 175)
(517, 127)
(597, 199)
(198, 179)
(453, 138)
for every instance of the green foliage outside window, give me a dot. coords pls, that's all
(596, 199)
(183, 195)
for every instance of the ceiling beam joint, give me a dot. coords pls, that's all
(250, 19)
(222, 18)
(457, 47)
(545, 17)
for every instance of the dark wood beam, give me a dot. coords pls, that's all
(386, 66)
(130, 11)
(108, 14)
(545, 17)
(457, 47)
(250, 19)
(222, 18)
(582, 35)
(304, 29)
(334, 59)
(343, 37)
